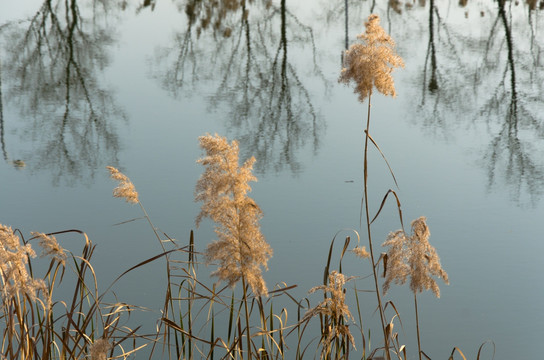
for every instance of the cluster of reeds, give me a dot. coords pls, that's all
(39, 326)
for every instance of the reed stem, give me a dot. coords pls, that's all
(365, 185)
(248, 337)
(417, 326)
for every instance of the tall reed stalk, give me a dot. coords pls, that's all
(126, 190)
(369, 234)
(369, 65)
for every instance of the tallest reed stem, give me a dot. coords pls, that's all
(365, 185)
(417, 326)
(248, 334)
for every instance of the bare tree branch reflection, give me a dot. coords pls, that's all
(443, 88)
(51, 66)
(515, 152)
(2, 138)
(17, 163)
(269, 108)
(508, 105)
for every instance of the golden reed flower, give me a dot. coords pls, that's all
(335, 307)
(126, 188)
(371, 63)
(413, 256)
(14, 277)
(50, 247)
(360, 251)
(241, 248)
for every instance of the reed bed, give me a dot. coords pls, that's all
(237, 316)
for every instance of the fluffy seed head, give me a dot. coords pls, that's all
(334, 306)
(360, 251)
(241, 248)
(413, 256)
(126, 188)
(371, 63)
(14, 277)
(50, 247)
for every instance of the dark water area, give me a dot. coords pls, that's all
(90, 83)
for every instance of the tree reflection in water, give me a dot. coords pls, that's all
(515, 153)
(505, 98)
(444, 76)
(51, 66)
(269, 108)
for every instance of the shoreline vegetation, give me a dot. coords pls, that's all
(36, 325)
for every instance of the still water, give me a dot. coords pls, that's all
(133, 85)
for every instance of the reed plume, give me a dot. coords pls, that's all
(15, 279)
(126, 188)
(335, 309)
(360, 251)
(413, 256)
(371, 63)
(50, 247)
(241, 248)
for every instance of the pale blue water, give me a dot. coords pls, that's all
(476, 173)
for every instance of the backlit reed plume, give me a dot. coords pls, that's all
(335, 309)
(370, 64)
(125, 189)
(241, 248)
(15, 279)
(413, 256)
(50, 247)
(360, 251)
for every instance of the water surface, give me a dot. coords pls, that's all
(133, 86)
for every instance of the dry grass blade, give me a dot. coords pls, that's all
(397, 314)
(384, 158)
(129, 221)
(140, 264)
(427, 356)
(459, 351)
(383, 257)
(482, 346)
(281, 291)
(175, 326)
(126, 354)
(270, 335)
(383, 203)
(329, 257)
